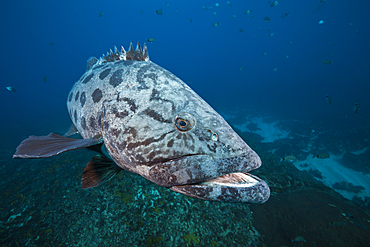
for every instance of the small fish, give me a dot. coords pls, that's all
(328, 99)
(240, 30)
(159, 12)
(233, 16)
(356, 108)
(45, 78)
(290, 159)
(274, 3)
(284, 15)
(167, 4)
(216, 24)
(100, 13)
(275, 69)
(51, 43)
(191, 20)
(217, 5)
(151, 40)
(247, 12)
(11, 89)
(326, 61)
(321, 22)
(322, 156)
(241, 68)
(266, 19)
(228, 3)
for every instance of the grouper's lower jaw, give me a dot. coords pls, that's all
(234, 187)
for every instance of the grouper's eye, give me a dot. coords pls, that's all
(184, 122)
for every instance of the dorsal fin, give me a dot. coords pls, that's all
(91, 62)
(135, 55)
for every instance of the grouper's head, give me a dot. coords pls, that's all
(165, 132)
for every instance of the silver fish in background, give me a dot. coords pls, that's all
(143, 119)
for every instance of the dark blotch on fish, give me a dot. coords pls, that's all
(88, 78)
(97, 94)
(77, 95)
(75, 116)
(116, 78)
(83, 99)
(170, 143)
(104, 74)
(83, 123)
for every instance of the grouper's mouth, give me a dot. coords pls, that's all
(223, 179)
(233, 187)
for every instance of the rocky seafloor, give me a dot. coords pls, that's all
(42, 204)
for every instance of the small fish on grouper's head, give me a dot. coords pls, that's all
(141, 118)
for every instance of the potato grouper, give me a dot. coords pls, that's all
(141, 118)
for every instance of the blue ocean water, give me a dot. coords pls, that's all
(246, 68)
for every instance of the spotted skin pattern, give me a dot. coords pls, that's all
(136, 107)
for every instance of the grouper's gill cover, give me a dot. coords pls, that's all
(153, 124)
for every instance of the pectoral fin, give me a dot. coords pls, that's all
(99, 170)
(52, 144)
(235, 187)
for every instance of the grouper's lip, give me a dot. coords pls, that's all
(233, 187)
(224, 179)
